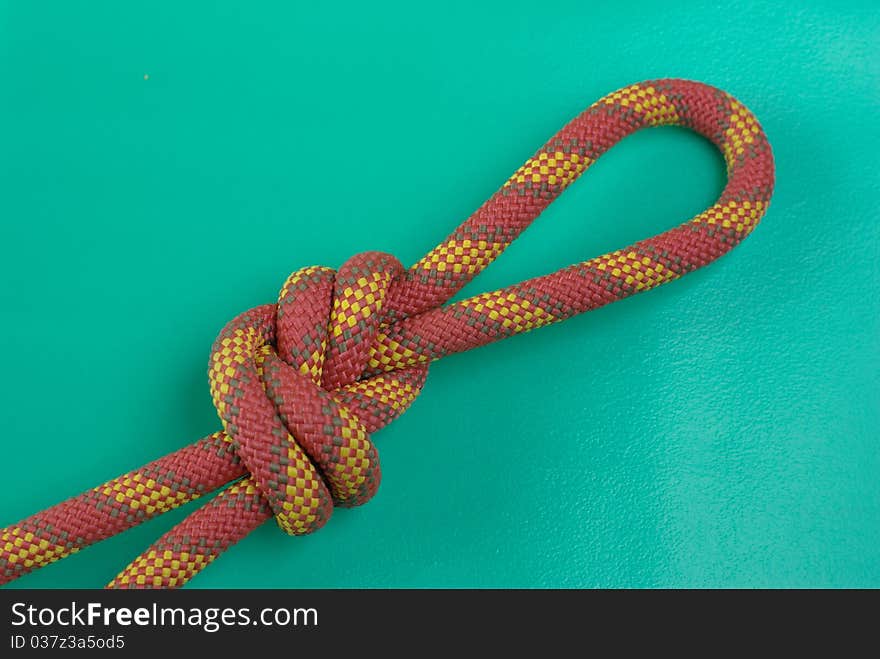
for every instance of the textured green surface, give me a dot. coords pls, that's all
(720, 431)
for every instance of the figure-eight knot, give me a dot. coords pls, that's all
(286, 381)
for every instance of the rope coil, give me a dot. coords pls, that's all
(300, 385)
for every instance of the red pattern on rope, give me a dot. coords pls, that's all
(301, 384)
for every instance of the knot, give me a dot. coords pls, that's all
(287, 380)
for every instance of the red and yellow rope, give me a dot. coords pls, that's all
(301, 384)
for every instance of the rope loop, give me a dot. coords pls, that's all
(299, 385)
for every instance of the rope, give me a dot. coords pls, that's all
(298, 396)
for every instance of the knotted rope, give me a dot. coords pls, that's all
(299, 385)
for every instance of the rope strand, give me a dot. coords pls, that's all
(301, 384)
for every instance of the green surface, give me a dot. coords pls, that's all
(166, 165)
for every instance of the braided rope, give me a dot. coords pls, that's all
(298, 396)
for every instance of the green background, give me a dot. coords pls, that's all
(720, 431)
